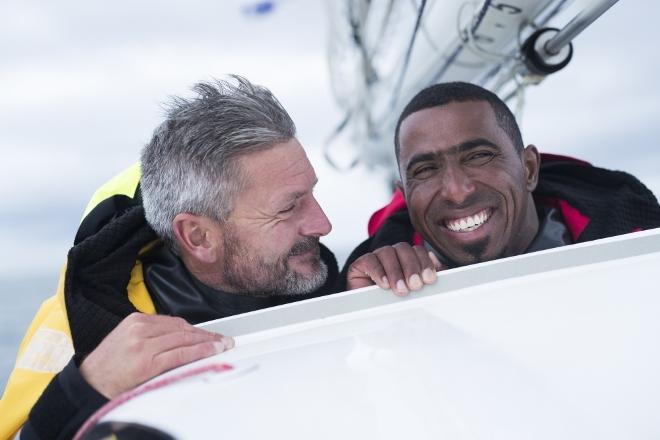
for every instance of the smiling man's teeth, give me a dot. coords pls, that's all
(469, 223)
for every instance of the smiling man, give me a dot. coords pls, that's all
(468, 183)
(470, 191)
(219, 219)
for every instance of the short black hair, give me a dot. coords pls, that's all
(445, 93)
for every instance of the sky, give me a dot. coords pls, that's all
(82, 86)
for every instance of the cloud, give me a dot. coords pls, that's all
(83, 83)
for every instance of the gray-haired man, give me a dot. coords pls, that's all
(231, 226)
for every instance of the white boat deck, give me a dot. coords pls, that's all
(558, 344)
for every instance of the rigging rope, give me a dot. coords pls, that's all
(397, 88)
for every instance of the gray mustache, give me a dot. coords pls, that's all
(304, 245)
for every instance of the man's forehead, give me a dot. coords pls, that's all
(296, 189)
(277, 174)
(272, 165)
(439, 128)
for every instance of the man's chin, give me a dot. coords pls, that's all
(469, 253)
(305, 264)
(467, 258)
(306, 279)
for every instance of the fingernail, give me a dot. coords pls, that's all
(415, 282)
(429, 276)
(229, 342)
(384, 283)
(219, 347)
(401, 287)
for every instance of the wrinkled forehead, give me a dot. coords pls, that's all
(280, 170)
(281, 159)
(438, 129)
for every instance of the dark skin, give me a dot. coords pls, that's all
(467, 188)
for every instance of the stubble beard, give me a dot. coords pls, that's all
(476, 250)
(248, 274)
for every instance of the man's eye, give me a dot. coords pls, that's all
(423, 172)
(481, 157)
(289, 209)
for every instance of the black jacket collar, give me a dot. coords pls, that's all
(176, 292)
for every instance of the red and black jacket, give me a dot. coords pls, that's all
(594, 203)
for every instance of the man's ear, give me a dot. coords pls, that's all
(197, 236)
(531, 159)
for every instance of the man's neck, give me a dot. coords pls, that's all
(205, 273)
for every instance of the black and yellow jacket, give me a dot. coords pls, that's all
(117, 266)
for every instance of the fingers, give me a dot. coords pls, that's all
(148, 326)
(412, 267)
(180, 338)
(184, 354)
(143, 346)
(400, 267)
(179, 343)
(394, 266)
(429, 264)
(367, 271)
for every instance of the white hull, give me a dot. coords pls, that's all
(557, 344)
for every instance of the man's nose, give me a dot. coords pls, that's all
(315, 223)
(456, 185)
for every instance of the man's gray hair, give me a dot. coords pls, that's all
(190, 165)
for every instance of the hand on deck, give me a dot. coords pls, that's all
(400, 267)
(143, 346)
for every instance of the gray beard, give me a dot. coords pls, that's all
(296, 284)
(249, 275)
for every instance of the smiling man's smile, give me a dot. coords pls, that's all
(468, 223)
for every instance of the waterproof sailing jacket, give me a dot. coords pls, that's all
(593, 203)
(105, 280)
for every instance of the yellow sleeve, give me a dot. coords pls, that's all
(46, 349)
(47, 345)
